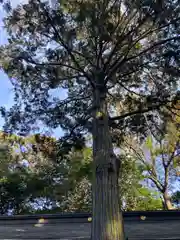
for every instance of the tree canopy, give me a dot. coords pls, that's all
(126, 44)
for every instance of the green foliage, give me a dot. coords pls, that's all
(25, 175)
(43, 179)
(77, 195)
(158, 157)
(148, 200)
(23, 185)
(134, 194)
(176, 198)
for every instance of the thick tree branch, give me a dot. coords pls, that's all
(70, 100)
(153, 46)
(159, 185)
(118, 63)
(52, 64)
(129, 90)
(139, 111)
(73, 51)
(147, 33)
(141, 66)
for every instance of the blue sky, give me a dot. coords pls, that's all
(6, 91)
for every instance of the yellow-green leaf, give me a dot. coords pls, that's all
(99, 114)
(138, 46)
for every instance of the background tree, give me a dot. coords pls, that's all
(134, 193)
(160, 158)
(93, 49)
(28, 178)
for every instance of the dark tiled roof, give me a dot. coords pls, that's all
(154, 226)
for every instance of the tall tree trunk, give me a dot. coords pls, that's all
(166, 198)
(107, 219)
(167, 201)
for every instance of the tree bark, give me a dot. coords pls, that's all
(107, 221)
(167, 201)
